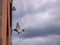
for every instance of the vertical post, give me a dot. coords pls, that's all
(9, 21)
(6, 22)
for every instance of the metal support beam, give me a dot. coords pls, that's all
(6, 22)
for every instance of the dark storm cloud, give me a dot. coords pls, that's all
(30, 33)
(43, 32)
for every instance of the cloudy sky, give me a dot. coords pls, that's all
(41, 21)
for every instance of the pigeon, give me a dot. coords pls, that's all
(18, 29)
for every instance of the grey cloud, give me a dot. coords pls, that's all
(31, 33)
(51, 28)
(43, 32)
(48, 40)
(30, 10)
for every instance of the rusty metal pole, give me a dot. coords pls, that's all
(9, 21)
(6, 22)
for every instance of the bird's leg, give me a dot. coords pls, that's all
(23, 30)
(18, 32)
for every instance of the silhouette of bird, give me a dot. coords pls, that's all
(18, 29)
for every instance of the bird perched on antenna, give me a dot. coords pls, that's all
(18, 28)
